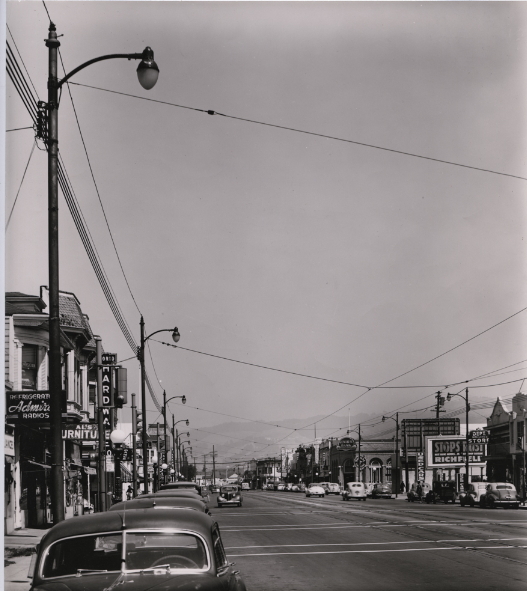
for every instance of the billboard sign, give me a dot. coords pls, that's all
(28, 406)
(451, 451)
(80, 432)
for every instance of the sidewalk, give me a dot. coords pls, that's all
(16, 545)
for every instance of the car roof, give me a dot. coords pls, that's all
(151, 501)
(191, 494)
(112, 521)
(180, 484)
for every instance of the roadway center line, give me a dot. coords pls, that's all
(376, 543)
(382, 524)
(378, 551)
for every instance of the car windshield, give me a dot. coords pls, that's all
(229, 489)
(144, 550)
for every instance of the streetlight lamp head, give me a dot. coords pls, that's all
(184, 400)
(449, 397)
(175, 335)
(117, 436)
(383, 419)
(164, 466)
(147, 70)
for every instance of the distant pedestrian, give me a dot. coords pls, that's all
(402, 488)
(129, 493)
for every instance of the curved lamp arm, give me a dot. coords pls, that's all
(147, 71)
(175, 333)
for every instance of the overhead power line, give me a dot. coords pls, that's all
(303, 131)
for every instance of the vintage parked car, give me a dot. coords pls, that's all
(230, 494)
(295, 488)
(369, 488)
(382, 491)
(333, 489)
(442, 490)
(281, 486)
(500, 494)
(473, 494)
(324, 485)
(185, 494)
(413, 494)
(315, 490)
(354, 490)
(301, 487)
(181, 484)
(142, 548)
(161, 502)
(289, 487)
(245, 486)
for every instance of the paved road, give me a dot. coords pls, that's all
(284, 540)
(287, 541)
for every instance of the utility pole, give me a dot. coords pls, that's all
(134, 446)
(174, 447)
(213, 466)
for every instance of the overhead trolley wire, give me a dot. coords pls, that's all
(303, 131)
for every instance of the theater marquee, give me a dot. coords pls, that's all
(443, 452)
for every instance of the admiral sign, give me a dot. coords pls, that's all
(451, 451)
(28, 406)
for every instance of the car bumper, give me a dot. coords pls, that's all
(230, 502)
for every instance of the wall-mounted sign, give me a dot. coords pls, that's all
(451, 451)
(109, 358)
(28, 406)
(346, 443)
(478, 436)
(9, 445)
(420, 466)
(81, 432)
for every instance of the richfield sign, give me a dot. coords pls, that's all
(28, 406)
(452, 451)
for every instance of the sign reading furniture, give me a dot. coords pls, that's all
(451, 451)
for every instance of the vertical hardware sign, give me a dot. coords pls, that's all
(108, 363)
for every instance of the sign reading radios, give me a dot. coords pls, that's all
(28, 406)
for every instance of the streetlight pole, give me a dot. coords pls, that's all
(141, 357)
(396, 451)
(165, 401)
(467, 409)
(175, 444)
(147, 72)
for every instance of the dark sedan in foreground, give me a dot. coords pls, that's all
(141, 549)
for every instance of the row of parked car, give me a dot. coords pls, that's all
(356, 490)
(167, 540)
(483, 494)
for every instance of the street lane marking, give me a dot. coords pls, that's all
(378, 551)
(338, 526)
(376, 543)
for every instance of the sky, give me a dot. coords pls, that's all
(313, 253)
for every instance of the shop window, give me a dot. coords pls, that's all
(375, 470)
(29, 367)
(521, 434)
(389, 470)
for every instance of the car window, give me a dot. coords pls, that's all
(219, 551)
(95, 553)
(179, 550)
(504, 487)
